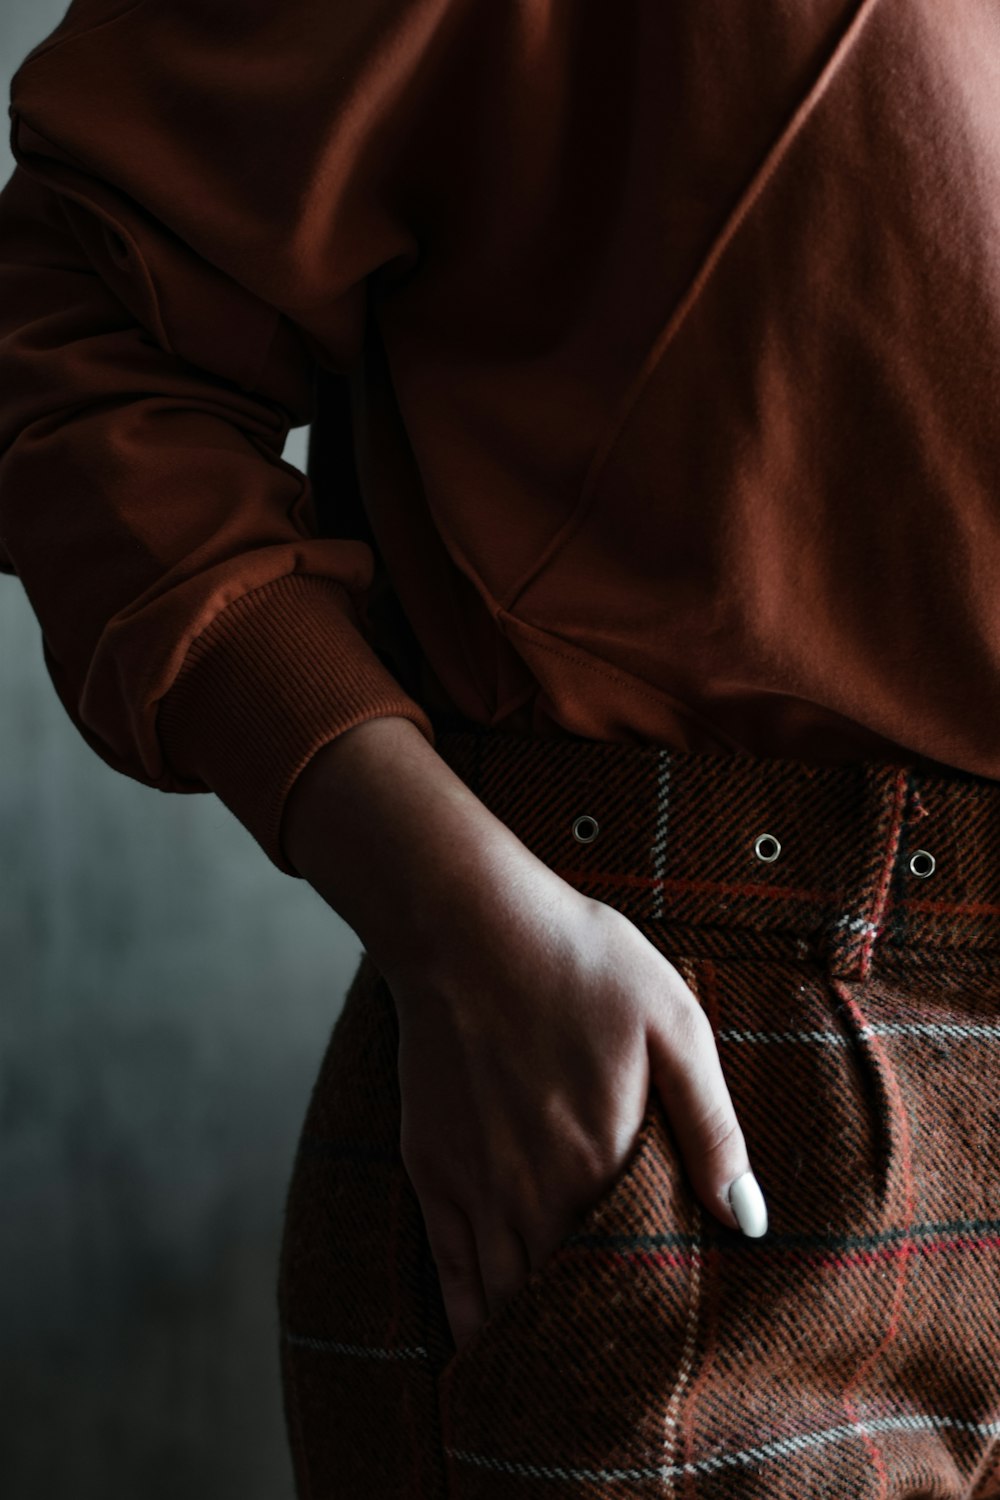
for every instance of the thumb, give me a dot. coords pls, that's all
(687, 1074)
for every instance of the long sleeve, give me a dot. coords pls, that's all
(168, 282)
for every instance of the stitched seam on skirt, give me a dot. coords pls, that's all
(893, 1087)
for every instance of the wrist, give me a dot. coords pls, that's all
(324, 789)
(392, 839)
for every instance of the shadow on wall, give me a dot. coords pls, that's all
(165, 999)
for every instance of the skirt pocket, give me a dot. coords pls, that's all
(578, 1373)
(573, 1377)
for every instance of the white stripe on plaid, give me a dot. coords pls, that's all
(362, 1351)
(939, 1029)
(671, 1434)
(855, 924)
(660, 837)
(780, 1448)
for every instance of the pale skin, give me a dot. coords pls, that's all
(533, 1020)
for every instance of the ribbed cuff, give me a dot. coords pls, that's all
(277, 674)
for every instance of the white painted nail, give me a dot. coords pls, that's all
(747, 1203)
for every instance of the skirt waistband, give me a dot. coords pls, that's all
(849, 863)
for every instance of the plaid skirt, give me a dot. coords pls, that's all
(840, 926)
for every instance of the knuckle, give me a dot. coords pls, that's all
(454, 1269)
(597, 1170)
(594, 1155)
(591, 1178)
(691, 1030)
(719, 1131)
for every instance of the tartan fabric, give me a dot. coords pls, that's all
(854, 1350)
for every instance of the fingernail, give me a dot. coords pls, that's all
(747, 1202)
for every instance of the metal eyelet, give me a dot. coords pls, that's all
(922, 863)
(766, 847)
(585, 828)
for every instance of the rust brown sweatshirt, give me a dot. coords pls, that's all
(671, 335)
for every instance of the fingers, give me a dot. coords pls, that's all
(686, 1071)
(477, 1276)
(453, 1247)
(503, 1264)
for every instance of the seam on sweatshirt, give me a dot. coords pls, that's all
(752, 192)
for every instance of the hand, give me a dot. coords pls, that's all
(527, 1047)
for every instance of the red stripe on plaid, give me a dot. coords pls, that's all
(950, 908)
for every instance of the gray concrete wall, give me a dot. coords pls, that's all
(165, 996)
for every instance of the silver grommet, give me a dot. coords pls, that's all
(585, 828)
(922, 863)
(766, 847)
